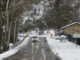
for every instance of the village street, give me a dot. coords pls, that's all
(35, 51)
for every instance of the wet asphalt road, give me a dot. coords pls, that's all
(34, 51)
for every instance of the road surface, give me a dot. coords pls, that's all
(35, 51)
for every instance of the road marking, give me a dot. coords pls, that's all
(37, 44)
(33, 57)
(32, 44)
(32, 47)
(35, 50)
(43, 53)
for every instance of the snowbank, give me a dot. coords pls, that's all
(66, 50)
(21, 38)
(13, 51)
(22, 34)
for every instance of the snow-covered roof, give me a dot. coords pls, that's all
(62, 36)
(70, 25)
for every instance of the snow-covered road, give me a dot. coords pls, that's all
(65, 50)
(40, 51)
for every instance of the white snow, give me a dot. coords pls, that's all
(52, 32)
(13, 51)
(48, 32)
(3, 28)
(20, 38)
(37, 11)
(22, 34)
(76, 35)
(10, 44)
(62, 36)
(66, 50)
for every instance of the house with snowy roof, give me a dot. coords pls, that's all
(72, 29)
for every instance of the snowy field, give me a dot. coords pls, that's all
(66, 50)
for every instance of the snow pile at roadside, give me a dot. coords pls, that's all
(66, 50)
(15, 50)
(22, 34)
(21, 38)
